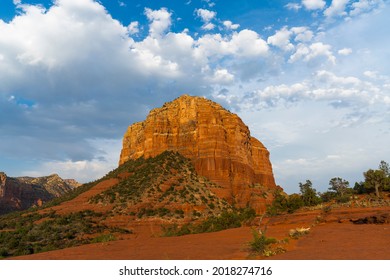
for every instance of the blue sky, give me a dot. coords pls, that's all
(310, 78)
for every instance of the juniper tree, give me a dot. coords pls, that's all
(309, 194)
(384, 166)
(375, 179)
(339, 185)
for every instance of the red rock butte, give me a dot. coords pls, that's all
(217, 141)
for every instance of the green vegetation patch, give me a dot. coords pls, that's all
(103, 238)
(266, 246)
(34, 233)
(260, 242)
(226, 220)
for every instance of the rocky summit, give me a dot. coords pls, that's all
(20, 193)
(216, 141)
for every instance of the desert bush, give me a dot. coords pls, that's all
(226, 220)
(260, 244)
(279, 204)
(343, 199)
(284, 203)
(169, 230)
(328, 196)
(175, 230)
(196, 213)
(103, 238)
(179, 212)
(163, 211)
(294, 202)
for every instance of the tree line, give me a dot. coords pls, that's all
(376, 181)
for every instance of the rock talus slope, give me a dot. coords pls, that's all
(217, 141)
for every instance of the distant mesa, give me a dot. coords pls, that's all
(21, 193)
(216, 141)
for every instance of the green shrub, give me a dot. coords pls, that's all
(284, 203)
(170, 230)
(103, 238)
(328, 196)
(196, 213)
(343, 199)
(294, 202)
(260, 243)
(226, 220)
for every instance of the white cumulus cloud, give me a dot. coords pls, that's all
(281, 39)
(310, 52)
(245, 43)
(229, 25)
(345, 51)
(365, 6)
(133, 27)
(208, 26)
(337, 8)
(313, 4)
(322, 86)
(160, 20)
(302, 34)
(222, 76)
(293, 6)
(248, 43)
(83, 170)
(206, 15)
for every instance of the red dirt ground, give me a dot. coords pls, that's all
(332, 236)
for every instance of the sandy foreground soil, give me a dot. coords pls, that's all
(332, 236)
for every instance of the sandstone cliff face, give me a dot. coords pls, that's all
(23, 192)
(3, 179)
(53, 184)
(217, 142)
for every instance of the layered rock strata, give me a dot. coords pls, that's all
(23, 192)
(218, 143)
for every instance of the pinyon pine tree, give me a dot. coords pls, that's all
(375, 179)
(309, 194)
